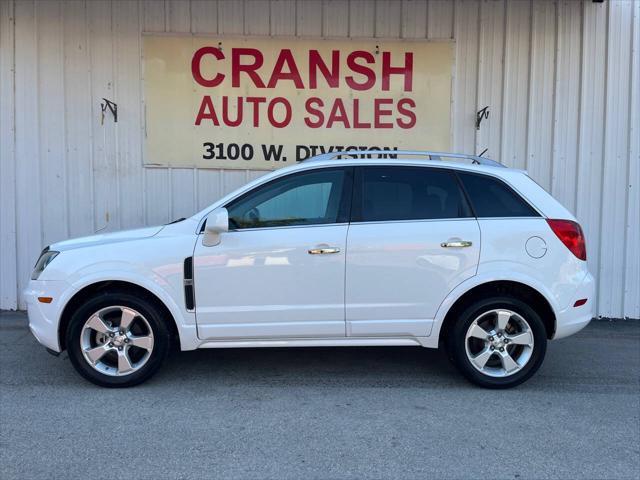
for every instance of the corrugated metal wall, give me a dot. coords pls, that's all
(561, 79)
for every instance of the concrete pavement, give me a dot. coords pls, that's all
(324, 413)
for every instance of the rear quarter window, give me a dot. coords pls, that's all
(491, 197)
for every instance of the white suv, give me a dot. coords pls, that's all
(361, 251)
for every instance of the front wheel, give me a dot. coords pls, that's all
(498, 342)
(117, 339)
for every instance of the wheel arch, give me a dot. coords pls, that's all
(516, 289)
(98, 287)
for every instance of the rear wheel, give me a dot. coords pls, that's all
(498, 342)
(117, 339)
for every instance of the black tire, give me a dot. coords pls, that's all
(456, 349)
(154, 317)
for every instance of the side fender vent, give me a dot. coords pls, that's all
(189, 298)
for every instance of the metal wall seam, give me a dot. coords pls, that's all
(591, 128)
(78, 139)
(440, 19)
(8, 266)
(490, 76)
(616, 138)
(309, 18)
(259, 21)
(29, 233)
(541, 92)
(513, 141)
(362, 20)
(282, 18)
(464, 94)
(414, 19)
(567, 103)
(631, 305)
(127, 72)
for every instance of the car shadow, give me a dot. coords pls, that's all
(334, 366)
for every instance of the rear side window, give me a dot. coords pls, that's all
(491, 197)
(407, 193)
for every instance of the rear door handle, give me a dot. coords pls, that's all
(323, 250)
(457, 244)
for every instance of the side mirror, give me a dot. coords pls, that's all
(217, 222)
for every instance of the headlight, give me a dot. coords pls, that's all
(45, 259)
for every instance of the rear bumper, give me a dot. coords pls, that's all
(573, 319)
(44, 318)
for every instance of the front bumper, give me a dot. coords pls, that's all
(44, 318)
(573, 319)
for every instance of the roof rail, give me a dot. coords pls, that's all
(418, 153)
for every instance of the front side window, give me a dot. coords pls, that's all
(308, 198)
(407, 193)
(491, 197)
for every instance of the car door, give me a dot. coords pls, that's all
(412, 239)
(279, 270)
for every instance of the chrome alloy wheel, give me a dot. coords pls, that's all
(116, 341)
(499, 343)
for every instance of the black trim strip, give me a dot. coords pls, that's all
(189, 298)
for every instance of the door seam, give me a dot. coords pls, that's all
(344, 283)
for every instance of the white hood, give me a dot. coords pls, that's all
(104, 238)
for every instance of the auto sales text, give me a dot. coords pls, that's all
(357, 72)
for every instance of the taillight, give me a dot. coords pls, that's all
(570, 233)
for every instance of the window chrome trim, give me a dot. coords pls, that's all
(262, 229)
(377, 222)
(541, 217)
(417, 220)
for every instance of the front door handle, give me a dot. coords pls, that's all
(323, 250)
(457, 244)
